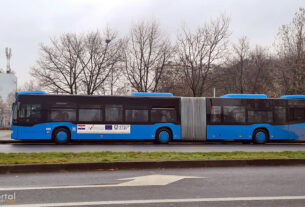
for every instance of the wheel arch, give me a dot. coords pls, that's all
(59, 127)
(264, 128)
(165, 127)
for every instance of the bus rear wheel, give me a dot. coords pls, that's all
(61, 136)
(163, 136)
(260, 136)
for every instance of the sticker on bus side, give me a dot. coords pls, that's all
(102, 129)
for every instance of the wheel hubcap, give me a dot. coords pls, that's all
(260, 137)
(62, 136)
(164, 136)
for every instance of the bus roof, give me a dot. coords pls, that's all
(244, 96)
(294, 96)
(30, 92)
(150, 94)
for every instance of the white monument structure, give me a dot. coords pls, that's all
(8, 89)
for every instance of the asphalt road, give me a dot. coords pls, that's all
(141, 146)
(252, 186)
(149, 147)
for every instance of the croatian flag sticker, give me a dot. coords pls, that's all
(81, 127)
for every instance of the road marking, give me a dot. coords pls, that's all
(150, 180)
(92, 203)
(147, 180)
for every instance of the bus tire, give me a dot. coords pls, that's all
(163, 136)
(61, 136)
(260, 136)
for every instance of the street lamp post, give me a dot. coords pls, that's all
(111, 83)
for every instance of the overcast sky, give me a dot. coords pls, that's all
(26, 23)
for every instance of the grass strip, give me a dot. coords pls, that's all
(107, 156)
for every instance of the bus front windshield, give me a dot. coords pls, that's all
(14, 114)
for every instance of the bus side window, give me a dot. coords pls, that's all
(114, 113)
(215, 116)
(280, 114)
(89, 115)
(63, 115)
(260, 116)
(135, 115)
(163, 115)
(234, 114)
(297, 114)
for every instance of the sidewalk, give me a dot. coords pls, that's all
(5, 134)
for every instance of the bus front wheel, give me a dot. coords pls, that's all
(61, 136)
(260, 136)
(163, 136)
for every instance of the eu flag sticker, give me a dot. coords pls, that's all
(108, 127)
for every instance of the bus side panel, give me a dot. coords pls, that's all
(36, 132)
(297, 131)
(136, 132)
(227, 132)
(40, 131)
(281, 132)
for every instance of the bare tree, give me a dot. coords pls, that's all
(100, 61)
(257, 68)
(197, 52)
(58, 69)
(79, 63)
(241, 51)
(173, 80)
(291, 50)
(146, 53)
(260, 74)
(30, 85)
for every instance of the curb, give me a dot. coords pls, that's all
(63, 167)
(13, 141)
(7, 141)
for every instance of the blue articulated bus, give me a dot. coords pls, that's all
(157, 116)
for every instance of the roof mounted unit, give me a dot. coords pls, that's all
(150, 94)
(30, 92)
(244, 96)
(294, 96)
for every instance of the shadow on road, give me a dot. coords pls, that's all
(144, 142)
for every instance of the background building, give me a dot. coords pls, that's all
(8, 89)
(8, 85)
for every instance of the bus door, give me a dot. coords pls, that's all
(28, 116)
(226, 119)
(234, 120)
(281, 126)
(296, 119)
